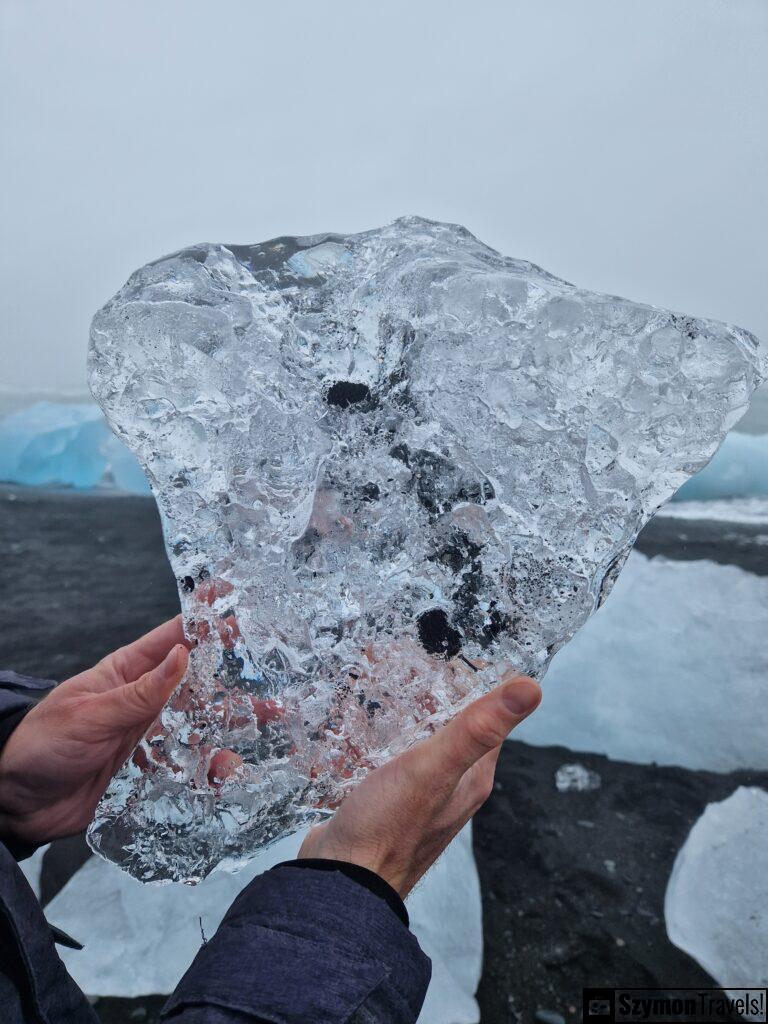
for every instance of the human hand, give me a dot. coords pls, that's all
(399, 820)
(60, 758)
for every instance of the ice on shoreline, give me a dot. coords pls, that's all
(673, 669)
(52, 443)
(738, 469)
(58, 444)
(716, 904)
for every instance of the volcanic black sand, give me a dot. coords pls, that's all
(573, 883)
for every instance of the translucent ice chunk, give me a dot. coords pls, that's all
(738, 470)
(716, 904)
(65, 444)
(575, 778)
(378, 458)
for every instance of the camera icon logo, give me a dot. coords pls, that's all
(599, 1007)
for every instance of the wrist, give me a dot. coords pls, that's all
(321, 844)
(18, 808)
(13, 835)
(11, 821)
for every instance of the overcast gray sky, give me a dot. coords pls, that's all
(622, 144)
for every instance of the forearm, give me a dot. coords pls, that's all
(305, 944)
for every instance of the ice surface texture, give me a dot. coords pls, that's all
(374, 456)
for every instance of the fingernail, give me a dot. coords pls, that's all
(170, 665)
(522, 696)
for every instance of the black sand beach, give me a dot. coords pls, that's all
(573, 884)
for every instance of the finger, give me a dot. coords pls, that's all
(224, 765)
(479, 729)
(476, 784)
(149, 650)
(138, 703)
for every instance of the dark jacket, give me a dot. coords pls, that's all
(311, 942)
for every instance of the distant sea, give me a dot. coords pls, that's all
(14, 401)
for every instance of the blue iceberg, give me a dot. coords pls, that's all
(56, 444)
(739, 469)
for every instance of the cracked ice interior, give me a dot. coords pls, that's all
(387, 465)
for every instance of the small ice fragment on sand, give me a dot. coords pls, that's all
(575, 778)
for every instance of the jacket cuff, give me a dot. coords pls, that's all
(363, 876)
(18, 695)
(11, 719)
(303, 944)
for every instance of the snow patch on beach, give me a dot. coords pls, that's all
(673, 669)
(139, 939)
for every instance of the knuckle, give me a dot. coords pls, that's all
(140, 694)
(407, 774)
(116, 662)
(484, 730)
(476, 798)
(482, 785)
(485, 788)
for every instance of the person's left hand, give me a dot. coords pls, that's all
(60, 758)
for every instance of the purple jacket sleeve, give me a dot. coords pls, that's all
(305, 945)
(17, 695)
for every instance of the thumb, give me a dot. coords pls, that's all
(141, 701)
(480, 728)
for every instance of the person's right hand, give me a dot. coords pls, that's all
(399, 820)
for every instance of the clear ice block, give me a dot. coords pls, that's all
(387, 465)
